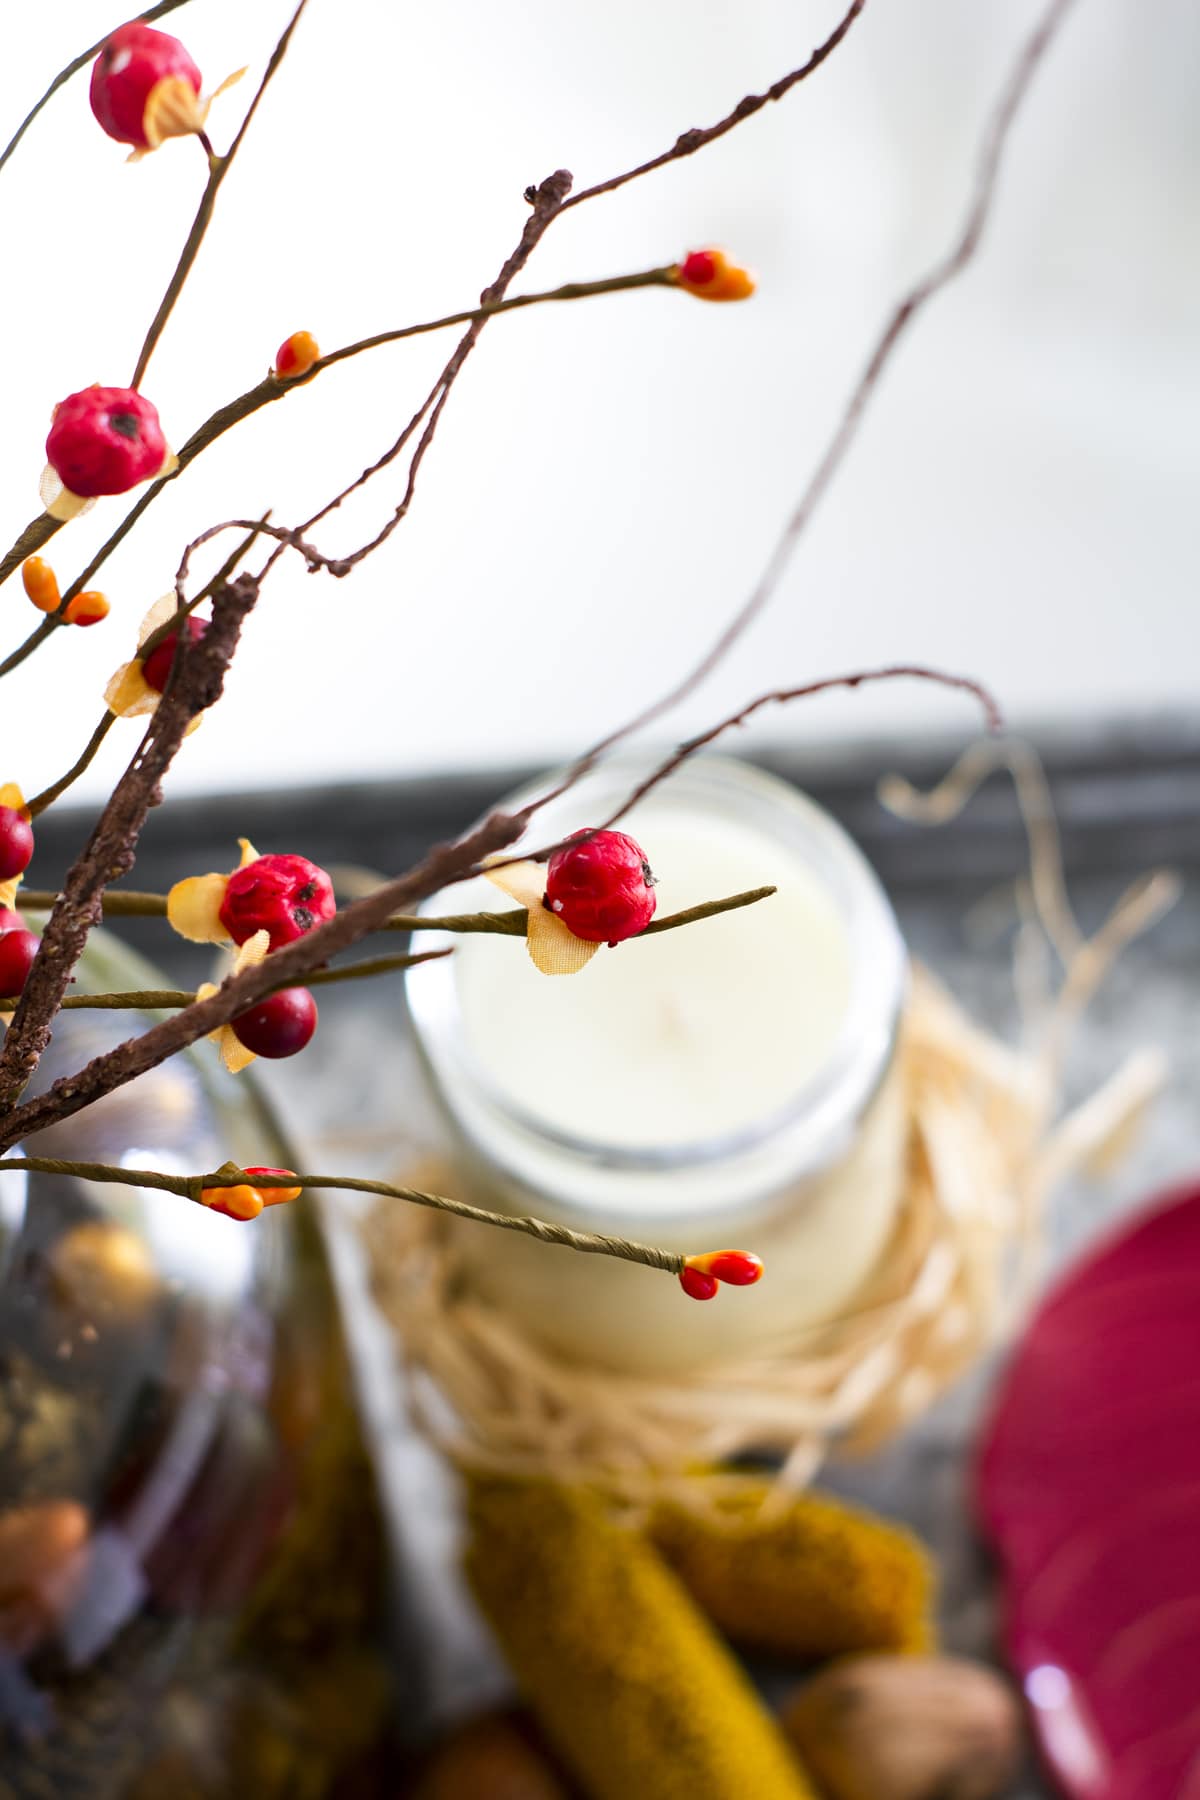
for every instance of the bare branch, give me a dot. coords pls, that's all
(195, 683)
(688, 142)
(995, 138)
(219, 167)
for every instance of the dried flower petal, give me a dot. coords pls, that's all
(128, 694)
(194, 909)
(554, 949)
(194, 905)
(233, 1052)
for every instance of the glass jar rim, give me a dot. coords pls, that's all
(817, 1123)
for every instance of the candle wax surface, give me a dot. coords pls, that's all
(682, 1037)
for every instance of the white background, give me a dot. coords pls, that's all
(609, 475)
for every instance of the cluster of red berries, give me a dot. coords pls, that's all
(285, 896)
(18, 945)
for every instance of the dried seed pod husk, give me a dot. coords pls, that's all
(907, 1728)
(812, 1578)
(631, 1685)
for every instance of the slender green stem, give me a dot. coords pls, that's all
(511, 923)
(49, 795)
(571, 290)
(192, 1187)
(73, 67)
(163, 999)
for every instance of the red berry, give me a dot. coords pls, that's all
(601, 888)
(157, 666)
(132, 63)
(283, 895)
(698, 268)
(16, 842)
(10, 920)
(700, 1274)
(104, 440)
(18, 948)
(280, 1025)
(696, 1284)
(740, 1268)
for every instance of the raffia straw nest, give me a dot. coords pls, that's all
(985, 1149)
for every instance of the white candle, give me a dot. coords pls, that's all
(723, 1084)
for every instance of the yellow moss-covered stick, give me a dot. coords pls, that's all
(813, 1579)
(639, 1697)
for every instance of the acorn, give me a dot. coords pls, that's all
(907, 1728)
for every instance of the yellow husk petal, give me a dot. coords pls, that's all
(249, 853)
(128, 694)
(233, 1052)
(11, 795)
(58, 500)
(194, 909)
(8, 891)
(158, 615)
(173, 109)
(553, 948)
(229, 81)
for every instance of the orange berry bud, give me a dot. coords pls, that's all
(274, 1196)
(246, 1202)
(296, 355)
(709, 275)
(700, 1274)
(41, 584)
(87, 608)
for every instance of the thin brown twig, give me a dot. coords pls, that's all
(546, 202)
(995, 138)
(49, 795)
(190, 1187)
(264, 393)
(688, 142)
(219, 168)
(782, 696)
(74, 66)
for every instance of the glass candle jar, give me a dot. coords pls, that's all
(730, 1083)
